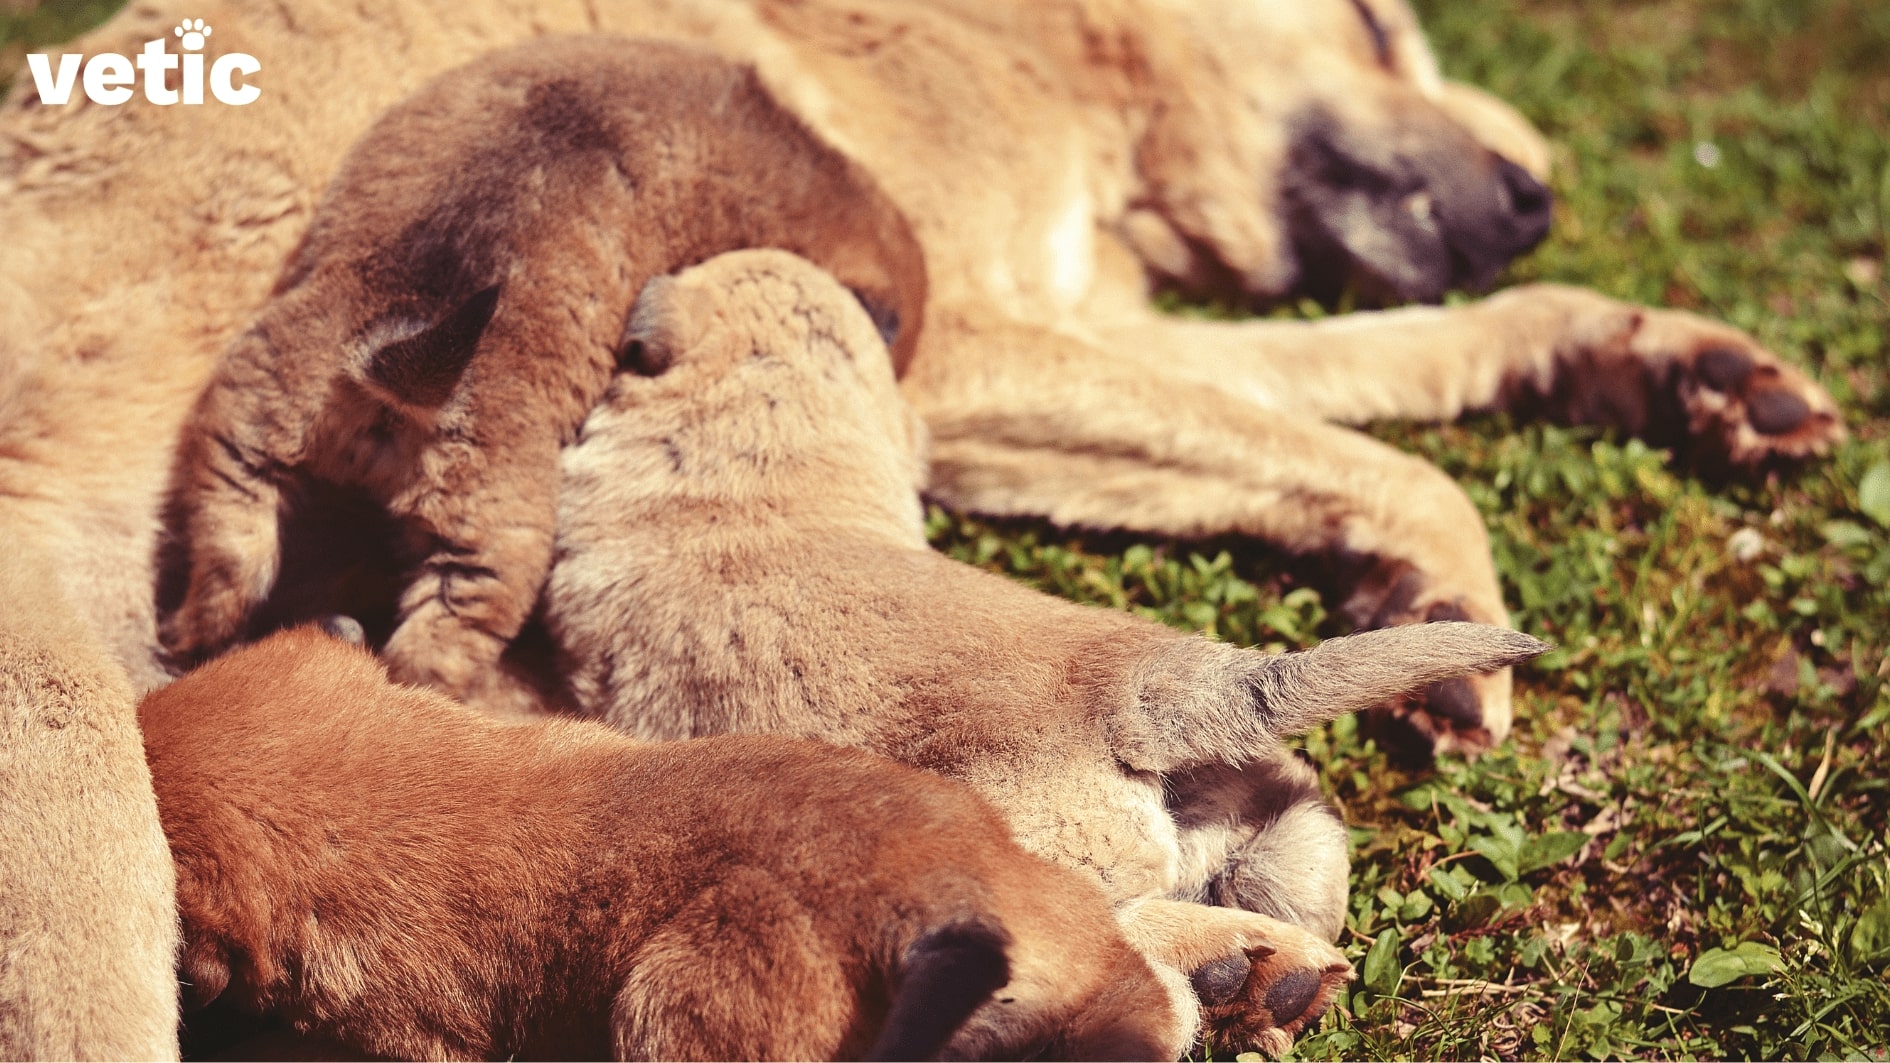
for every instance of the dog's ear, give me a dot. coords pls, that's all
(946, 975)
(423, 368)
(205, 972)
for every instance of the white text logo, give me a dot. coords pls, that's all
(108, 77)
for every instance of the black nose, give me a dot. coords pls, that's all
(1530, 205)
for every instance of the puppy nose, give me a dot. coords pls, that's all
(1530, 204)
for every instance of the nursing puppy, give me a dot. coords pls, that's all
(740, 550)
(391, 870)
(458, 304)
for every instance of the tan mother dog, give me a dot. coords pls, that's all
(740, 549)
(1054, 159)
(403, 875)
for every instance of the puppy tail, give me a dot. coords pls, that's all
(945, 976)
(1300, 691)
(1196, 702)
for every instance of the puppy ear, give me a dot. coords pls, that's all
(947, 974)
(423, 368)
(345, 628)
(206, 974)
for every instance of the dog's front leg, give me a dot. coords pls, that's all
(490, 511)
(1260, 982)
(224, 517)
(1027, 421)
(1574, 355)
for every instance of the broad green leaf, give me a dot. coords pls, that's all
(1550, 849)
(1447, 884)
(1717, 967)
(1473, 911)
(1870, 938)
(1501, 852)
(1382, 969)
(1873, 493)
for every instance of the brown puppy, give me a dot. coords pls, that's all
(387, 868)
(740, 550)
(459, 301)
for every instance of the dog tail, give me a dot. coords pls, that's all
(1195, 702)
(1300, 691)
(945, 976)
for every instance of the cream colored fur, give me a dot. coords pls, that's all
(88, 931)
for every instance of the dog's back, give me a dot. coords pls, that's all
(382, 866)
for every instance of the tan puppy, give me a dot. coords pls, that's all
(458, 304)
(88, 934)
(386, 868)
(740, 550)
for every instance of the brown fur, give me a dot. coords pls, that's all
(459, 301)
(740, 550)
(88, 933)
(415, 879)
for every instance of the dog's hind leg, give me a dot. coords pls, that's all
(739, 972)
(1262, 837)
(226, 509)
(487, 489)
(490, 512)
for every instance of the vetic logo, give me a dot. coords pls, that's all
(108, 75)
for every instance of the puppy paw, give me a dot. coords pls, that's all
(433, 648)
(1266, 995)
(1744, 407)
(211, 617)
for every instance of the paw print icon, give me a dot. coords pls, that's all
(192, 31)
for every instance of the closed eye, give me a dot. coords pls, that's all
(1381, 42)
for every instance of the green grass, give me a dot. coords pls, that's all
(1681, 852)
(23, 30)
